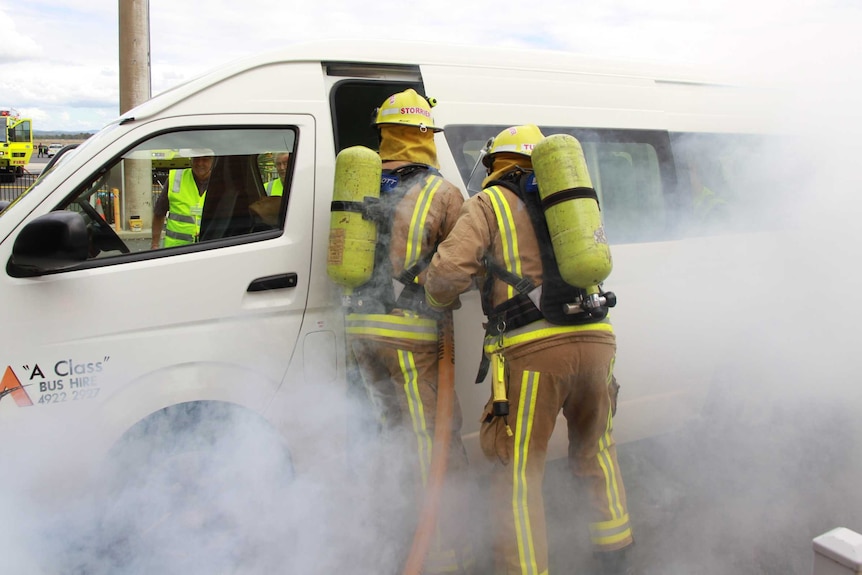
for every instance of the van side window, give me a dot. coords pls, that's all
(723, 176)
(186, 188)
(632, 172)
(627, 179)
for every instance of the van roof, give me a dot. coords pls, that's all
(399, 53)
(428, 53)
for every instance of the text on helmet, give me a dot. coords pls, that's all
(412, 110)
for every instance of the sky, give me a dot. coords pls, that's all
(59, 60)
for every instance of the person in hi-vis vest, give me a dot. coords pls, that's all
(181, 202)
(276, 187)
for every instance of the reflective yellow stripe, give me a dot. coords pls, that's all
(617, 529)
(610, 376)
(417, 411)
(508, 234)
(604, 533)
(612, 488)
(540, 329)
(181, 218)
(615, 503)
(393, 326)
(178, 236)
(436, 303)
(416, 230)
(608, 380)
(447, 560)
(520, 505)
(441, 562)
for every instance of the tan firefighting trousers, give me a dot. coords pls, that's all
(403, 387)
(574, 374)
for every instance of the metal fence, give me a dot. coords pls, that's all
(103, 200)
(10, 191)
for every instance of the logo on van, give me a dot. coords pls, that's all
(11, 385)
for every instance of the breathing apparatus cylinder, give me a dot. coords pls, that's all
(572, 212)
(353, 238)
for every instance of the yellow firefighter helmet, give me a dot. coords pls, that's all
(514, 140)
(407, 108)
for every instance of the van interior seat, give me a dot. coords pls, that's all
(233, 187)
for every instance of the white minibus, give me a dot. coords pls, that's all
(104, 339)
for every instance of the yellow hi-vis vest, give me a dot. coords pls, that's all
(274, 187)
(186, 206)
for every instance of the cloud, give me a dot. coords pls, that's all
(60, 52)
(15, 46)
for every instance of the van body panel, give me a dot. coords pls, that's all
(168, 330)
(542, 97)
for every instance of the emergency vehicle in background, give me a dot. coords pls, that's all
(105, 336)
(16, 144)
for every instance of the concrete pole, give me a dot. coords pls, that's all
(134, 53)
(136, 196)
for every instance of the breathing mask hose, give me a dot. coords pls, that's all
(440, 452)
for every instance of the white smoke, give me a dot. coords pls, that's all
(217, 495)
(775, 459)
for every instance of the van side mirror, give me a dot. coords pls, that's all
(52, 242)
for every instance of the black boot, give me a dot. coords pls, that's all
(616, 562)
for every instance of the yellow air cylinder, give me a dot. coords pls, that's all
(352, 239)
(571, 211)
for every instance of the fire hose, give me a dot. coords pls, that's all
(440, 452)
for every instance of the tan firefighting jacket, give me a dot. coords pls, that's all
(423, 218)
(494, 222)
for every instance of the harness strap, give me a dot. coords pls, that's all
(345, 206)
(570, 194)
(371, 208)
(523, 285)
(512, 314)
(409, 275)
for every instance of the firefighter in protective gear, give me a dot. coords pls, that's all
(391, 333)
(181, 202)
(542, 367)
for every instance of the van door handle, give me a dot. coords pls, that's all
(279, 281)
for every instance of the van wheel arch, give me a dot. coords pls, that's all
(201, 419)
(198, 467)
